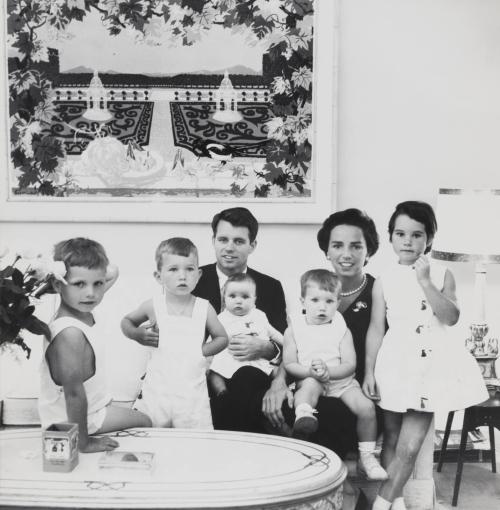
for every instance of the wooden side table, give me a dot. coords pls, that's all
(487, 413)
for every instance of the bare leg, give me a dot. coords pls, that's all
(364, 409)
(308, 392)
(217, 383)
(119, 418)
(414, 428)
(392, 427)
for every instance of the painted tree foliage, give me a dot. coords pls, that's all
(287, 25)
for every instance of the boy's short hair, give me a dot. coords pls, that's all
(417, 211)
(238, 217)
(324, 279)
(81, 252)
(237, 278)
(175, 246)
(353, 217)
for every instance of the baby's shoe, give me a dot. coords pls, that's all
(398, 504)
(305, 421)
(369, 466)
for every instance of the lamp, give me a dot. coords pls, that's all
(460, 213)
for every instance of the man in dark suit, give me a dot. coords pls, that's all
(251, 395)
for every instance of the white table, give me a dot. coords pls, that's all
(193, 470)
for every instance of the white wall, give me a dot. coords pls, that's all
(419, 108)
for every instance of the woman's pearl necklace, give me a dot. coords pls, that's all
(357, 289)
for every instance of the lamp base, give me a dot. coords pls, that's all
(485, 350)
(487, 367)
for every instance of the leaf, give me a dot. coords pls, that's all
(272, 172)
(195, 5)
(17, 277)
(22, 80)
(262, 191)
(37, 327)
(46, 188)
(47, 151)
(302, 77)
(6, 272)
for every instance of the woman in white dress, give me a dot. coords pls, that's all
(415, 368)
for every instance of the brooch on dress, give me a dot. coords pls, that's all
(360, 305)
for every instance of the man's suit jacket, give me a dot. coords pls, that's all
(270, 295)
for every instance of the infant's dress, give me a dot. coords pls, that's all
(174, 392)
(421, 365)
(253, 323)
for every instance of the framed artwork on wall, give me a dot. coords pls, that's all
(168, 110)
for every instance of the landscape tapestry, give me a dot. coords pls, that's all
(171, 99)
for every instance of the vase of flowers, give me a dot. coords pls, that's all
(23, 281)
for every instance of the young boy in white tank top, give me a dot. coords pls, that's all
(73, 382)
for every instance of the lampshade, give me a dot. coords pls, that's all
(467, 225)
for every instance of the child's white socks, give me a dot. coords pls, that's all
(398, 504)
(368, 463)
(381, 504)
(305, 421)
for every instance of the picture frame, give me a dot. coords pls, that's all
(295, 207)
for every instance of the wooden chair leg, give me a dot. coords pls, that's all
(447, 430)
(460, 461)
(492, 449)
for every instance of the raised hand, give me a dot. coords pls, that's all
(422, 270)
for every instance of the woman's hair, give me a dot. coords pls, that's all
(237, 217)
(355, 218)
(81, 252)
(237, 278)
(324, 279)
(175, 246)
(418, 211)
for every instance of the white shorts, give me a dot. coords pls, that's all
(337, 388)
(176, 411)
(96, 419)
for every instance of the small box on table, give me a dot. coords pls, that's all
(60, 447)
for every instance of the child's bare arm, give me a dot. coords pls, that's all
(374, 337)
(290, 359)
(217, 383)
(112, 273)
(347, 359)
(275, 335)
(442, 301)
(131, 325)
(69, 358)
(217, 332)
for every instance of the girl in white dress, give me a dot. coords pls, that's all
(415, 368)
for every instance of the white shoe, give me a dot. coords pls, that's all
(369, 466)
(398, 504)
(305, 421)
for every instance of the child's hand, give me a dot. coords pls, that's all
(370, 387)
(422, 270)
(148, 334)
(320, 370)
(98, 444)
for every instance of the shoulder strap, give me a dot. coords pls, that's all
(61, 323)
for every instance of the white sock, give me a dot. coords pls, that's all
(366, 447)
(304, 407)
(398, 503)
(381, 504)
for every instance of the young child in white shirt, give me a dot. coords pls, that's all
(318, 352)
